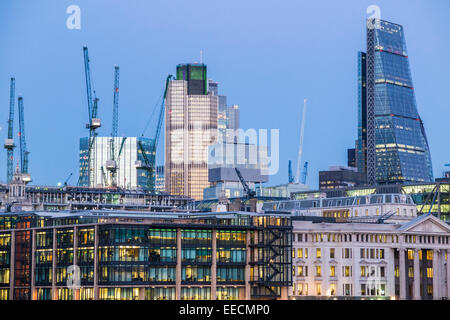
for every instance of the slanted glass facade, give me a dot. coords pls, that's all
(401, 148)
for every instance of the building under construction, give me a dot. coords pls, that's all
(131, 169)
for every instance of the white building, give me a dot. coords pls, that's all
(406, 260)
(399, 207)
(128, 156)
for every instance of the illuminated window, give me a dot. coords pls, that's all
(332, 271)
(318, 271)
(318, 253)
(319, 289)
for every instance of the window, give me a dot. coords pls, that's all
(318, 271)
(363, 253)
(302, 289)
(411, 272)
(410, 254)
(318, 253)
(332, 271)
(347, 271)
(319, 289)
(300, 237)
(347, 289)
(300, 253)
(382, 272)
(363, 271)
(346, 253)
(332, 253)
(381, 253)
(430, 273)
(302, 271)
(332, 289)
(306, 253)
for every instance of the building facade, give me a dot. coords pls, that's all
(428, 197)
(395, 207)
(371, 261)
(361, 142)
(341, 177)
(223, 157)
(132, 170)
(106, 255)
(397, 147)
(159, 180)
(190, 127)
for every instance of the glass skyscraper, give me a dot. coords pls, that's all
(397, 147)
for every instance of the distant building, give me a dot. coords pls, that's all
(340, 177)
(282, 190)
(159, 180)
(397, 146)
(191, 127)
(351, 158)
(251, 161)
(409, 260)
(130, 175)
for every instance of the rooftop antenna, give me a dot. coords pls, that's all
(300, 147)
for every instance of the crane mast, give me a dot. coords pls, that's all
(111, 164)
(22, 143)
(94, 121)
(9, 142)
(149, 164)
(300, 147)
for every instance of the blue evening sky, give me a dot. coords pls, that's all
(266, 55)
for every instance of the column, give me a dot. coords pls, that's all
(33, 264)
(402, 273)
(54, 293)
(390, 271)
(214, 265)
(12, 265)
(76, 290)
(96, 237)
(247, 266)
(417, 294)
(178, 268)
(448, 274)
(436, 279)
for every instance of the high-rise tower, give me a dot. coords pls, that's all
(191, 127)
(397, 147)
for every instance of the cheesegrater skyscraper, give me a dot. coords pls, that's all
(397, 147)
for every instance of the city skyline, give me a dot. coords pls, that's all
(243, 71)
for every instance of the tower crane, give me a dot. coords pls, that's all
(250, 193)
(305, 172)
(94, 121)
(9, 141)
(22, 143)
(149, 164)
(300, 147)
(290, 175)
(111, 164)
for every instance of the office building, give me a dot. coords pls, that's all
(361, 142)
(340, 177)
(351, 158)
(251, 160)
(428, 197)
(398, 208)
(17, 197)
(397, 147)
(108, 255)
(132, 170)
(227, 116)
(159, 180)
(190, 128)
(409, 260)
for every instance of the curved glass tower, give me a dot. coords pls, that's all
(397, 147)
